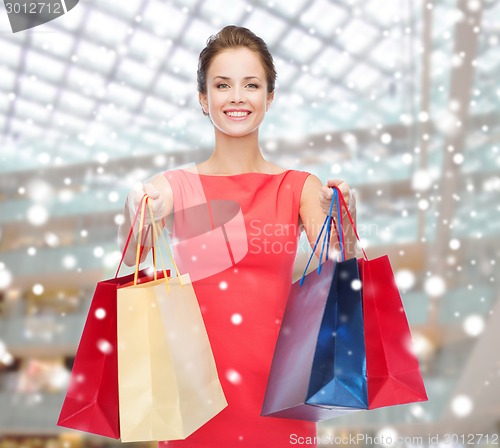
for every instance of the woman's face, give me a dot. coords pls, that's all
(237, 97)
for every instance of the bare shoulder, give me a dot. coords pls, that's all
(311, 188)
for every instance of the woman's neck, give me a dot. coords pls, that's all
(235, 155)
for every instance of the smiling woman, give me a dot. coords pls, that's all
(233, 96)
(242, 302)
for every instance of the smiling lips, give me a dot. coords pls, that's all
(237, 114)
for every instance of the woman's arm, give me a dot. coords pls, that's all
(161, 199)
(314, 204)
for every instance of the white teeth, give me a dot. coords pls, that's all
(237, 114)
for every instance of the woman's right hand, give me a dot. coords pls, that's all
(156, 201)
(161, 199)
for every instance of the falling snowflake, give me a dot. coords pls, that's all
(474, 325)
(458, 159)
(69, 262)
(104, 346)
(233, 376)
(40, 191)
(356, 284)
(386, 138)
(65, 196)
(423, 204)
(462, 405)
(44, 158)
(407, 158)
(59, 378)
(100, 313)
(51, 239)
(119, 219)
(423, 116)
(236, 319)
(7, 359)
(37, 215)
(421, 180)
(38, 289)
(5, 278)
(102, 158)
(113, 196)
(435, 286)
(112, 259)
(473, 5)
(420, 345)
(80, 378)
(405, 279)
(417, 411)
(98, 251)
(3, 348)
(388, 436)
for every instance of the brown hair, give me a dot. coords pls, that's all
(234, 37)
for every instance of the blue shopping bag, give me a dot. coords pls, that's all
(319, 364)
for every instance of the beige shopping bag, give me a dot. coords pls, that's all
(167, 379)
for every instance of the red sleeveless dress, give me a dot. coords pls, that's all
(242, 289)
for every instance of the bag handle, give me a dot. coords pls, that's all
(338, 198)
(155, 235)
(326, 240)
(342, 203)
(140, 247)
(140, 212)
(129, 236)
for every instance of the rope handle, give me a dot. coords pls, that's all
(154, 239)
(342, 203)
(140, 213)
(326, 240)
(129, 236)
(338, 198)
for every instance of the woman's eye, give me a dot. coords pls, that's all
(222, 85)
(253, 86)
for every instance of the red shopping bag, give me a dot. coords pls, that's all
(392, 367)
(91, 402)
(393, 371)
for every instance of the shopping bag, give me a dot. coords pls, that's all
(167, 379)
(318, 369)
(393, 369)
(91, 401)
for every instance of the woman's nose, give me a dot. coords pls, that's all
(237, 95)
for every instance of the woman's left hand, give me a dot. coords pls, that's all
(325, 195)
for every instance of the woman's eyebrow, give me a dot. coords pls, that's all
(225, 78)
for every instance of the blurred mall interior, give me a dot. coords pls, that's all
(398, 97)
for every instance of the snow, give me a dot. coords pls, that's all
(236, 319)
(405, 279)
(474, 325)
(5, 278)
(104, 346)
(462, 406)
(38, 289)
(37, 215)
(435, 286)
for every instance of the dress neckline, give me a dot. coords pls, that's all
(240, 174)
